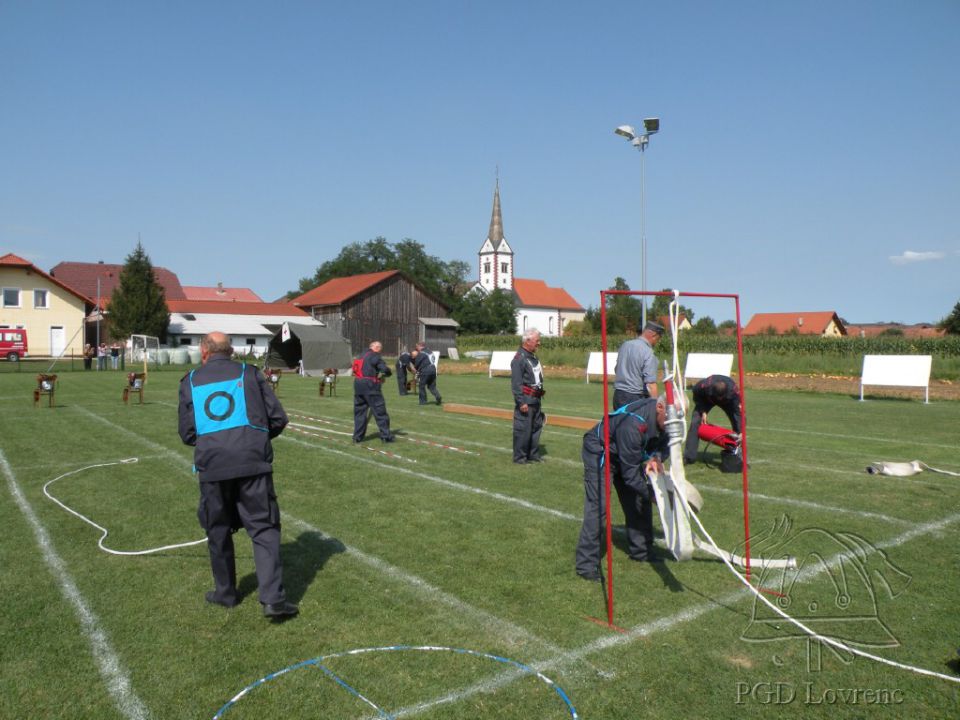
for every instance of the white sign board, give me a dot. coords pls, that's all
(500, 360)
(702, 365)
(595, 364)
(897, 370)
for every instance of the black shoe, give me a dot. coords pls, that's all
(212, 598)
(535, 459)
(424, 402)
(280, 609)
(439, 401)
(594, 576)
(389, 439)
(521, 461)
(689, 461)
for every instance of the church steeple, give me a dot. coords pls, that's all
(496, 256)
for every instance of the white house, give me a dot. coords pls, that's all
(250, 325)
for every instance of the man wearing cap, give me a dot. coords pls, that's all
(636, 368)
(714, 391)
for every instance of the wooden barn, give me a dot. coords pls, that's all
(383, 306)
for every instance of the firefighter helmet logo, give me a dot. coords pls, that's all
(833, 590)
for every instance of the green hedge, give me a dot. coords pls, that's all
(944, 347)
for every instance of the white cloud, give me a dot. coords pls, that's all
(909, 256)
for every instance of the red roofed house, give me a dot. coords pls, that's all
(194, 292)
(83, 277)
(249, 325)
(538, 305)
(51, 311)
(825, 324)
(383, 306)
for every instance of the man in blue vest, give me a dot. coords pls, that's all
(637, 446)
(426, 373)
(369, 370)
(229, 415)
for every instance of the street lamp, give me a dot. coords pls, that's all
(639, 141)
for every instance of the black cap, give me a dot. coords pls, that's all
(652, 327)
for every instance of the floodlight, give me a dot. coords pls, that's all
(626, 131)
(651, 125)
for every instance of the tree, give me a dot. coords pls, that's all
(487, 314)
(444, 280)
(705, 326)
(138, 305)
(661, 307)
(951, 324)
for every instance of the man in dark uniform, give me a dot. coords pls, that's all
(637, 446)
(403, 363)
(229, 415)
(426, 373)
(526, 383)
(714, 391)
(636, 368)
(368, 373)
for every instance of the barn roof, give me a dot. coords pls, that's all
(83, 277)
(338, 290)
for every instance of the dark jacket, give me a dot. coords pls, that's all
(241, 451)
(706, 395)
(403, 362)
(634, 439)
(423, 362)
(522, 375)
(372, 366)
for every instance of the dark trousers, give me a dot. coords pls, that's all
(251, 503)
(402, 379)
(637, 509)
(696, 420)
(622, 397)
(526, 431)
(368, 396)
(428, 381)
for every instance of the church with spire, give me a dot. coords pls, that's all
(538, 305)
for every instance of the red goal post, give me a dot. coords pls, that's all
(604, 294)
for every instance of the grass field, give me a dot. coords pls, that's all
(430, 546)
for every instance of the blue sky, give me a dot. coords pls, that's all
(808, 157)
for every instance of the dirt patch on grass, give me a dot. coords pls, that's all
(841, 385)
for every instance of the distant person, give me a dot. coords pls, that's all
(526, 383)
(637, 446)
(403, 366)
(714, 391)
(115, 355)
(368, 372)
(426, 373)
(636, 368)
(89, 353)
(102, 357)
(229, 415)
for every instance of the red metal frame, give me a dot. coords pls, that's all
(606, 427)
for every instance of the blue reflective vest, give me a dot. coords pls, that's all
(220, 405)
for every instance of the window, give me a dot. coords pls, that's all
(550, 325)
(486, 267)
(504, 268)
(186, 341)
(11, 297)
(41, 299)
(524, 322)
(251, 341)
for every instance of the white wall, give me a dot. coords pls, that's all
(546, 321)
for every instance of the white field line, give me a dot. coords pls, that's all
(508, 630)
(840, 436)
(515, 635)
(659, 625)
(439, 481)
(108, 662)
(793, 502)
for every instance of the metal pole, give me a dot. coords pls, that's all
(643, 233)
(97, 354)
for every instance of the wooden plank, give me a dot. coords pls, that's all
(569, 421)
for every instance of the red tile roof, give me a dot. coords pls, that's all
(338, 290)
(805, 323)
(220, 307)
(11, 260)
(83, 277)
(920, 330)
(536, 293)
(221, 294)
